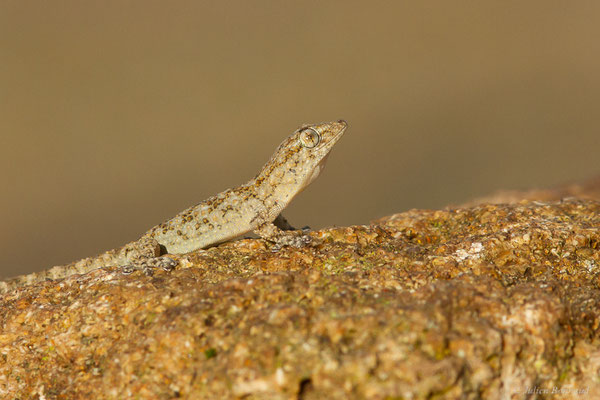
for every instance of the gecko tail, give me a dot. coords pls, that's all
(110, 258)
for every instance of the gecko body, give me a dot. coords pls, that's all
(254, 206)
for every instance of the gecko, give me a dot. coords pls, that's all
(255, 206)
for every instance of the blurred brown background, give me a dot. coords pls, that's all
(117, 115)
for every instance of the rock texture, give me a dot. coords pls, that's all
(486, 301)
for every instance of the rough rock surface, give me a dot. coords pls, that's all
(487, 301)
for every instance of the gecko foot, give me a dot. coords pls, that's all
(272, 233)
(149, 265)
(292, 239)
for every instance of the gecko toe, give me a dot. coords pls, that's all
(167, 264)
(128, 269)
(148, 266)
(296, 239)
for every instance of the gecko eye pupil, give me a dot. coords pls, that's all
(309, 138)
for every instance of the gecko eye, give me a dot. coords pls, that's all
(309, 138)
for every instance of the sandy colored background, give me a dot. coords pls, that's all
(116, 115)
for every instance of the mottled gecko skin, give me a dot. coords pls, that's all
(254, 206)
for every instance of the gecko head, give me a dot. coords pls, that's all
(301, 157)
(315, 143)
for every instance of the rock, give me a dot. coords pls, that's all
(589, 189)
(488, 301)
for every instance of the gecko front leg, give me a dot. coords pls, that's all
(148, 257)
(283, 224)
(282, 234)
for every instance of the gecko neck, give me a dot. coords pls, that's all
(273, 188)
